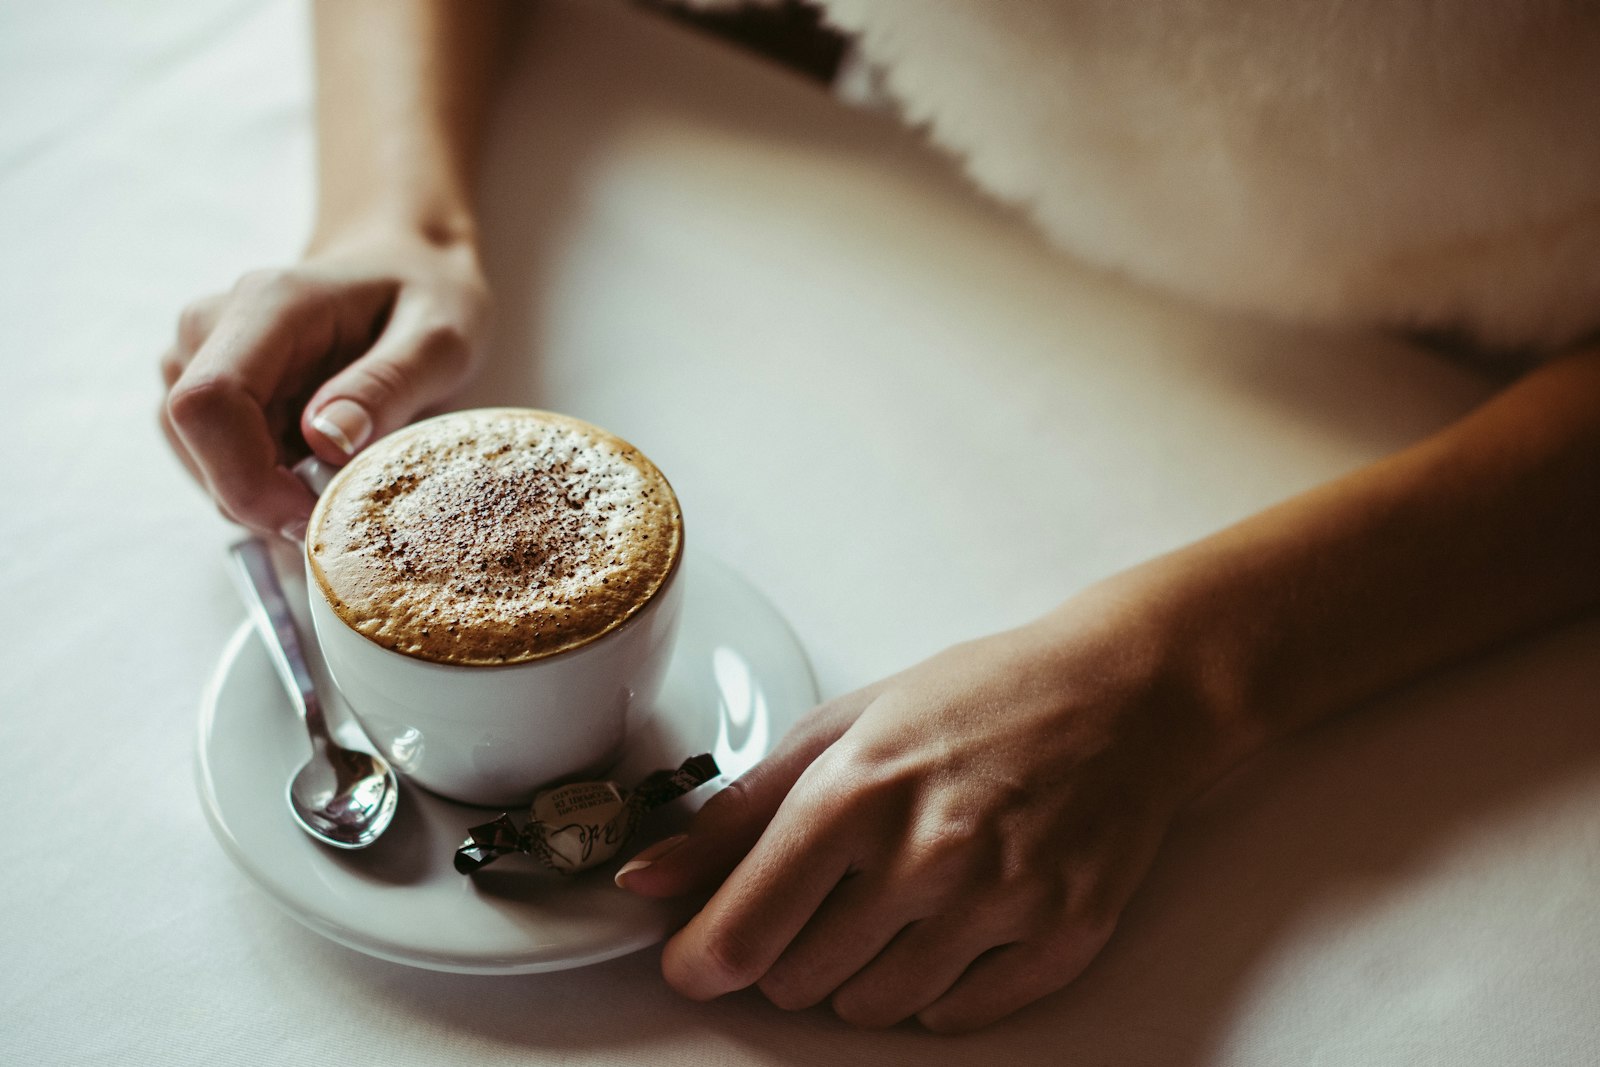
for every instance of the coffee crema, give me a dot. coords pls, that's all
(494, 536)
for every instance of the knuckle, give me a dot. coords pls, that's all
(821, 720)
(950, 842)
(445, 348)
(196, 402)
(860, 775)
(228, 509)
(440, 337)
(731, 958)
(268, 286)
(243, 505)
(1070, 934)
(946, 1022)
(388, 381)
(1043, 903)
(831, 814)
(194, 324)
(951, 831)
(729, 805)
(863, 1012)
(783, 991)
(1025, 911)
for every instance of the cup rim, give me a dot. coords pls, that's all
(314, 576)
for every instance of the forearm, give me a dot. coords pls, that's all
(1481, 532)
(403, 88)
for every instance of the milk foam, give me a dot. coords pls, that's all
(494, 536)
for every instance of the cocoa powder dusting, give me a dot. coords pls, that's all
(494, 536)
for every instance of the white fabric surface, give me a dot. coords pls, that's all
(886, 402)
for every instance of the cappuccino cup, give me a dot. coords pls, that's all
(495, 594)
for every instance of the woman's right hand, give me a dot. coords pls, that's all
(366, 333)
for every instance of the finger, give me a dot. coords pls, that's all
(195, 324)
(720, 835)
(748, 923)
(224, 432)
(916, 968)
(217, 408)
(857, 921)
(732, 821)
(1012, 977)
(420, 361)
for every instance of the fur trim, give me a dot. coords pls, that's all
(1402, 163)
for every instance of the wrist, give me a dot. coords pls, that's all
(441, 222)
(1163, 639)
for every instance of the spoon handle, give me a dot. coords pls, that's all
(269, 608)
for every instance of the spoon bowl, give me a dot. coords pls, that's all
(344, 797)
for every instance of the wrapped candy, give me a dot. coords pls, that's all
(574, 827)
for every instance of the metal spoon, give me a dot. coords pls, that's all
(341, 797)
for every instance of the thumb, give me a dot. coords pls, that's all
(415, 365)
(733, 821)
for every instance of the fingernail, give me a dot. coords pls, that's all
(345, 423)
(294, 532)
(649, 856)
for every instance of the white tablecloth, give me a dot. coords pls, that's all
(883, 400)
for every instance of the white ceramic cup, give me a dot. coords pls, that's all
(492, 735)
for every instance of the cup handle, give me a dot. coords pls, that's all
(315, 474)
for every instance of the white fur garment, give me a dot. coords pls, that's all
(1428, 164)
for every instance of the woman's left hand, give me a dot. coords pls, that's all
(960, 839)
(951, 843)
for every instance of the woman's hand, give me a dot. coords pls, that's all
(384, 317)
(366, 333)
(951, 843)
(959, 840)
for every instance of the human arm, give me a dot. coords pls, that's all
(959, 839)
(384, 315)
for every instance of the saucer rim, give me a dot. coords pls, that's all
(385, 948)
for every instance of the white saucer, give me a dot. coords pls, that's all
(738, 680)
